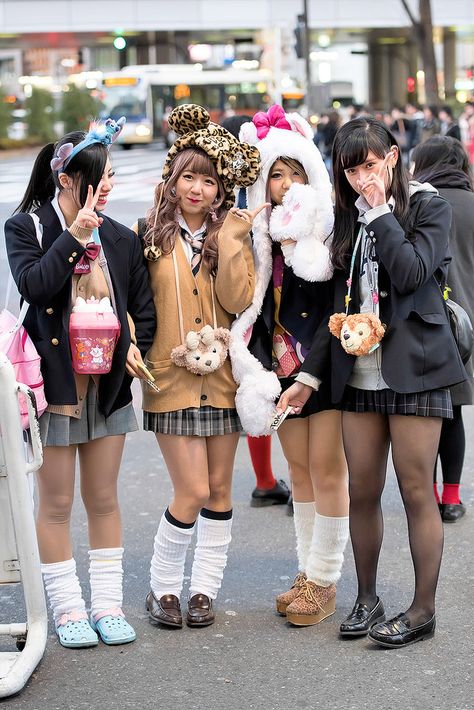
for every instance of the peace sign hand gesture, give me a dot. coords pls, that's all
(375, 186)
(249, 215)
(87, 218)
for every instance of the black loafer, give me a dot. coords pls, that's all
(361, 619)
(166, 610)
(278, 495)
(452, 512)
(398, 632)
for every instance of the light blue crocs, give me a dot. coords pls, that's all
(74, 631)
(112, 628)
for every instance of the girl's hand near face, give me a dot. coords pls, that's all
(249, 215)
(87, 218)
(374, 188)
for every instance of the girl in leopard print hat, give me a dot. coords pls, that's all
(202, 274)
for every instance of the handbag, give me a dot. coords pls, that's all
(20, 350)
(461, 328)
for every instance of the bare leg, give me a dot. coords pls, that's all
(366, 443)
(100, 464)
(415, 443)
(328, 468)
(187, 462)
(220, 455)
(294, 440)
(56, 495)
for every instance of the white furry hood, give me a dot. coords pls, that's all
(258, 388)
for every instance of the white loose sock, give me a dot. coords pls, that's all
(326, 553)
(169, 555)
(303, 519)
(63, 588)
(210, 555)
(106, 576)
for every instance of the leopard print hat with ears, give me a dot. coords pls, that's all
(237, 164)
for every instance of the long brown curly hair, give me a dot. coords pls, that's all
(162, 227)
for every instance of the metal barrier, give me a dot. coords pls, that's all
(19, 556)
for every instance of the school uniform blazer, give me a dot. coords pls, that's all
(304, 306)
(43, 275)
(419, 352)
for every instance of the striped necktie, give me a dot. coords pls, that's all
(196, 245)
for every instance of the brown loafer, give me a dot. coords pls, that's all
(200, 611)
(165, 610)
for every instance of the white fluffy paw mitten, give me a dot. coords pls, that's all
(295, 217)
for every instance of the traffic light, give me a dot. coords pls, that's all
(299, 32)
(120, 42)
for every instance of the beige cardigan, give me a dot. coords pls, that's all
(234, 288)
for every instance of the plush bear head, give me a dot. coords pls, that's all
(359, 333)
(204, 352)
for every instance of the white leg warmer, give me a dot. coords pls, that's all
(169, 556)
(326, 553)
(210, 556)
(303, 520)
(106, 575)
(63, 588)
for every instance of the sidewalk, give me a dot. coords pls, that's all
(250, 658)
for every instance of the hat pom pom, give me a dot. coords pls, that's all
(248, 133)
(188, 118)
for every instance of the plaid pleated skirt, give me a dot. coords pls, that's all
(193, 421)
(434, 403)
(62, 430)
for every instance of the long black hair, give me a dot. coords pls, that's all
(85, 168)
(440, 160)
(351, 146)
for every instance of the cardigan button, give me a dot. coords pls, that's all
(195, 292)
(74, 253)
(371, 234)
(304, 315)
(70, 259)
(54, 341)
(204, 397)
(49, 311)
(197, 320)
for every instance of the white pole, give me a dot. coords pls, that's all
(16, 668)
(277, 73)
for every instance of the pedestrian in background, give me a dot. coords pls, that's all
(442, 161)
(201, 269)
(448, 126)
(268, 490)
(390, 250)
(53, 263)
(270, 342)
(430, 124)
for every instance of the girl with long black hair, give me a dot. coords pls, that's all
(390, 250)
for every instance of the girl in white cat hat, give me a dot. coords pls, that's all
(271, 339)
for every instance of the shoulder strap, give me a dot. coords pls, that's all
(39, 236)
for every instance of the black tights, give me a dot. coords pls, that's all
(414, 443)
(452, 447)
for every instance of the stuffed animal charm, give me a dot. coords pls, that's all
(359, 333)
(204, 352)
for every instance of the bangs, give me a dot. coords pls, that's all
(196, 161)
(294, 165)
(358, 145)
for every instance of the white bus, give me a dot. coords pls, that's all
(146, 94)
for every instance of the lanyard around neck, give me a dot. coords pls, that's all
(351, 271)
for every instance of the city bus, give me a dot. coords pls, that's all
(146, 94)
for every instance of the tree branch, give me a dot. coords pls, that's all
(413, 20)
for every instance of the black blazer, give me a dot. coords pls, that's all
(43, 276)
(418, 350)
(304, 307)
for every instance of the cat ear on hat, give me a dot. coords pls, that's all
(188, 118)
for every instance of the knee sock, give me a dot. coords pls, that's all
(260, 448)
(106, 574)
(167, 565)
(63, 589)
(450, 494)
(303, 519)
(326, 553)
(210, 555)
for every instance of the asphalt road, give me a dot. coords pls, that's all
(250, 658)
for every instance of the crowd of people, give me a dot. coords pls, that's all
(284, 306)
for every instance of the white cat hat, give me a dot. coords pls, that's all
(276, 135)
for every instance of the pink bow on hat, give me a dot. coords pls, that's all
(274, 118)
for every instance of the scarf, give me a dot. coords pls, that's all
(446, 176)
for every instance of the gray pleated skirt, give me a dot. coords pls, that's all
(62, 430)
